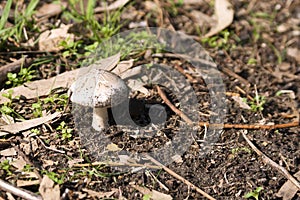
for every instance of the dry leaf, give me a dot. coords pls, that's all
(123, 66)
(21, 126)
(50, 9)
(19, 163)
(295, 53)
(288, 190)
(241, 102)
(202, 19)
(113, 147)
(137, 85)
(117, 4)
(224, 13)
(8, 152)
(50, 40)
(44, 87)
(48, 190)
(22, 183)
(95, 194)
(155, 195)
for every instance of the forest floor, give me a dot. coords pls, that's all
(257, 55)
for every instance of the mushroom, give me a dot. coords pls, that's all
(99, 89)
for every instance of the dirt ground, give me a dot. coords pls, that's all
(257, 58)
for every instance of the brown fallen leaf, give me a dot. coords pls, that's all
(44, 87)
(50, 40)
(50, 9)
(99, 195)
(154, 195)
(23, 183)
(224, 13)
(8, 152)
(116, 5)
(295, 53)
(21, 126)
(123, 66)
(241, 102)
(288, 190)
(48, 190)
(202, 19)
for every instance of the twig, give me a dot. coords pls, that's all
(11, 67)
(227, 126)
(234, 75)
(270, 162)
(49, 148)
(18, 191)
(252, 126)
(171, 172)
(116, 164)
(168, 102)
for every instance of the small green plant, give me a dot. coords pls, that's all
(22, 21)
(16, 79)
(147, 196)
(66, 132)
(56, 99)
(257, 104)
(221, 41)
(28, 168)
(6, 108)
(254, 193)
(239, 149)
(37, 109)
(57, 178)
(5, 165)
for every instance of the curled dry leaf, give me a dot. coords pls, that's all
(288, 190)
(224, 13)
(48, 190)
(50, 9)
(116, 5)
(50, 40)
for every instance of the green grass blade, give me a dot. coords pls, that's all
(5, 14)
(90, 9)
(30, 8)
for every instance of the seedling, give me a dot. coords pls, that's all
(239, 149)
(57, 178)
(5, 165)
(65, 131)
(25, 75)
(221, 41)
(254, 193)
(6, 108)
(37, 109)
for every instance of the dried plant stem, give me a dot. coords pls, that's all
(236, 126)
(177, 176)
(18, 191)
(270, 162)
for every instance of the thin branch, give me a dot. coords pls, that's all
(18, 191)
(116, 164)
(227, 126)
(270, 162)
(177, 176)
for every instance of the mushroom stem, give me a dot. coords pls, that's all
(100, 119)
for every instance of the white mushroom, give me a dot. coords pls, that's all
(99, 89)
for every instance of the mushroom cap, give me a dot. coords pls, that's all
(99, 88)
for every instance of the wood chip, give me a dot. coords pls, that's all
(48, 190)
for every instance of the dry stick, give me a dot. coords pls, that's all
(171, 172)
(11, 67)
(18, 191)
(270, 162)
(237, 126)
(116, 164)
